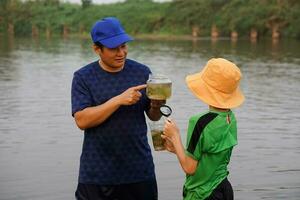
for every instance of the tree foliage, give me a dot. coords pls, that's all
(148, 17)
(86, 3)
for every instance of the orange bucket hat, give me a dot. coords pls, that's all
(217, 84)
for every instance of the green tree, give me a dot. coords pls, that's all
(195, 13)
(292, 16)
(192, 14)
(12, 14)
(137, 1)
(86, 3)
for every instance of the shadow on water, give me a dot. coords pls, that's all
(40, 145)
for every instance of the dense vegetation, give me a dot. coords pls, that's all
(179, 17)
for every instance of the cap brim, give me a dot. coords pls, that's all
(212, 96)
(116, 41)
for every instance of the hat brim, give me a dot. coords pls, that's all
(212, 96)
(116, 41)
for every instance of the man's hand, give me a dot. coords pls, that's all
(131, 95)
(156, 104)
(154, 112)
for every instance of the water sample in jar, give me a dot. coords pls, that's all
(159, 87)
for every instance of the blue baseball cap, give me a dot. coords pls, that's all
(109, 32)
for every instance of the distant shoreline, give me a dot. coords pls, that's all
(156, 37)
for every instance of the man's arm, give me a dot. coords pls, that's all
(93, 116)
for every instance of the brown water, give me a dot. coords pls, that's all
(158, 142)
(40, 144)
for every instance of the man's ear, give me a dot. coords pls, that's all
(96, 49)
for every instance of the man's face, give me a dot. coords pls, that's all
(114, 58)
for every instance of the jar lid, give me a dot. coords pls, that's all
(158, 78)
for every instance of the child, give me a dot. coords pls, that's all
(211, 135)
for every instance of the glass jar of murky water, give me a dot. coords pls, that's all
(156, 128)
(159, 87)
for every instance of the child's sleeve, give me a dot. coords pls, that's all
(196, 136)
(194, 139)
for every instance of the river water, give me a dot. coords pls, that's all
(40, 145)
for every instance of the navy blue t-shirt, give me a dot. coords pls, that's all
(117, 150)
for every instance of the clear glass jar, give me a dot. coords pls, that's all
(159, 87)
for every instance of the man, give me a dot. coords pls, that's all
(108, 103)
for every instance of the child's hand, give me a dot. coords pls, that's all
(171, 129)
(168, 144)
(171, 136)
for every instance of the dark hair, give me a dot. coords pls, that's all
(98, 44)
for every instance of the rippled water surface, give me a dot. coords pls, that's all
(40, 144)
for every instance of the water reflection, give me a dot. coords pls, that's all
(40, 145)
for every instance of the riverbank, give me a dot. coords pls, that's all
(154, 37)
